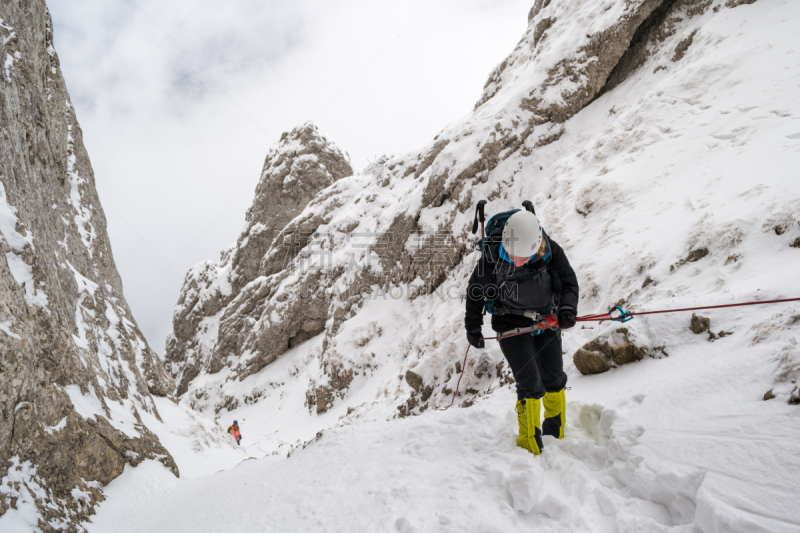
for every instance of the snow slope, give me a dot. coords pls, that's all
(627, 464)
(676, 187)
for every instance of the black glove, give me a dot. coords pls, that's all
(475, 338)
(566, 319)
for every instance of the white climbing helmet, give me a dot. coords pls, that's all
(522, 234)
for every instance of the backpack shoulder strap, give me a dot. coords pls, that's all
(549, 257)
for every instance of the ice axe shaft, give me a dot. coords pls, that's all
(480, 216)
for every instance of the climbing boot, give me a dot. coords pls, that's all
(554, 414)
(529, 418)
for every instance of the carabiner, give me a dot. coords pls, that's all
(624, 316)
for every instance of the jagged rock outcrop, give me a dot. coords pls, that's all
(403, 225)
(215, 295)
(75, 371)
(607, 351)
(302, 163)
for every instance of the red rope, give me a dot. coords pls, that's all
(607, 316)
(601, 317)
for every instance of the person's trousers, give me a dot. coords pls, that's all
(536, 363)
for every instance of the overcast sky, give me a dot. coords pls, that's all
(179, 102)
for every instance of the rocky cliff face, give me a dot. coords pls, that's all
(300, 165)
(574, 119)
(75, 371)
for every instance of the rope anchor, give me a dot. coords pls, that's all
(624, 316)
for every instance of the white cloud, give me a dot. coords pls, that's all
(177, 128)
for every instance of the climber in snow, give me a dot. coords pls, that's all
(523, 275)
(235, 433)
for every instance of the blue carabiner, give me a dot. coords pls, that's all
(624, 316)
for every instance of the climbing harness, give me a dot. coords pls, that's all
(616, 314)
(547, 322)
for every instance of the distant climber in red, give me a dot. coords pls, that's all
(235, 433)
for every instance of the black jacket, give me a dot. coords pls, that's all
(565, 285)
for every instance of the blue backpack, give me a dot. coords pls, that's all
(494, 228)
(492, 232)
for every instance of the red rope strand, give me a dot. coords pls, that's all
(607, 316)
(599, 318)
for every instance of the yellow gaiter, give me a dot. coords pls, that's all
(555, 406)
(529, 418)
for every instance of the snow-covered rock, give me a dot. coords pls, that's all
(76, 374)
(232, 293)
(611, 350)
